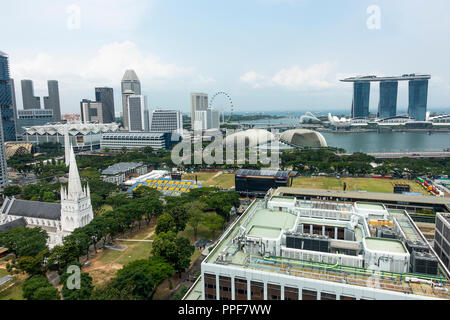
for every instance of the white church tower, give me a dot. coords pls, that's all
(66, 144)
(76, 208)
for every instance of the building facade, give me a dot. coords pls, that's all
(418, 96)
(387, 106)
(130, 86)
(360, 104)
(166, 121)
(29, 100)
(91, 111)
(3, 167)
(7, 100)
(51, 102)
(105, 95)
(134, 140)
(442, 237)
(199, 102)
(81, 136)
(137, 111)
(33, 117)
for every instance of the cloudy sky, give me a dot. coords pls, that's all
(269, 55)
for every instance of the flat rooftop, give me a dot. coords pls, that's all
(377, 196)
(268, 224)
(404, 77)
(385, 245)
(370, 206)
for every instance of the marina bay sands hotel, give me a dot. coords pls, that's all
(387, 107)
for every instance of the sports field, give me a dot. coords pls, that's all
(212, 179)
(353, 184)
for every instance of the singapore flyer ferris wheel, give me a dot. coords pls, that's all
(228, 109)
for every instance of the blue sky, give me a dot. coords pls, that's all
(269, 55)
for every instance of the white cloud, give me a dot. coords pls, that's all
(104, 67)
(317, 76)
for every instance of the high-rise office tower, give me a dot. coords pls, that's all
(6, 100)
(137, 105)
(3, 166)
(360, 104)
(418, 95)
(387, 106)
(91, 111)
(13, 99)
(130, 86)
(199, 102)
(166, 121)
(52, 100)
(106, 97)
(28, 98)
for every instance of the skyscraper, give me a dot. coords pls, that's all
(6, 100)
(360, 104)
(418, 94)
(52, 100)
(28, 98)
(13, 98)
(106, 97)
(387, 106)
(199, 102)
(3, 166)
(130, 86)
(137, 106)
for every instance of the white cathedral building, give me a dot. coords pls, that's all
(58, 219)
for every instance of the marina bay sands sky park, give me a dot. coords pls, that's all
(387, 107)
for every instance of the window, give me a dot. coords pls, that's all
(342, 297)
(327, 296)
(309, 294)
(240, 289)
(273, 292)
(210, 286)
(225, 288)
(257, 290)
(290, 293)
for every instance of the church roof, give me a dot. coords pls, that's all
(34, 209)
(12, 224)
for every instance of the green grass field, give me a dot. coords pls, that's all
(353, 184)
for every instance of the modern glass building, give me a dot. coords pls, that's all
(28, 98)
(360, 104)
(106, 97)
(6, 100)
(418, 94)
(387, 106)
(130, 86)
(137, 106)
(52, 101)
(33, 117)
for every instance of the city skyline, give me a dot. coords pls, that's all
(270, 71)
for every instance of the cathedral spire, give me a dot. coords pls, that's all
(67, 144)
(74, 187)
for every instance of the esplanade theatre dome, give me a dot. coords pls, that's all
(303, 138)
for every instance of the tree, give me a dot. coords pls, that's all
(33, 289)
(214, 223)
(176, 250)
(165, 224)
(144, 275)
(24, 241)
(180, 217)
(46, 293)
(10, 191)
(32, 265)
(150, 207)
(48, 196)
(196, 215)
(83, 293)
